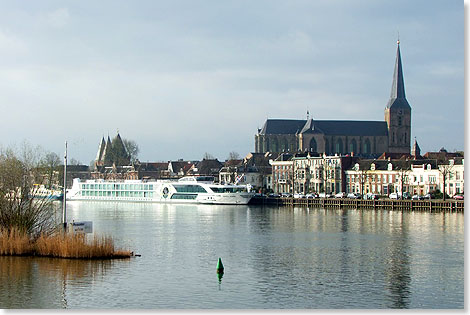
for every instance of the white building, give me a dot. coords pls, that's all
(383, 177)
(454, 173)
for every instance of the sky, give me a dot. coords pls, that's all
(185, 78)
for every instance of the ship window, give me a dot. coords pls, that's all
(184, 196)
(227, 189)
(189, 188)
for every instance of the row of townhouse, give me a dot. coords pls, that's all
(307, 173)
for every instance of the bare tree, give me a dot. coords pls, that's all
(403, 177)
(132, 149)
(208, 156)
(74, 161)
(446, 172)
(233, 156)
(18, 209)
(50, 164)
(363, 178)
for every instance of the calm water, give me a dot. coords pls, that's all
(273, 257)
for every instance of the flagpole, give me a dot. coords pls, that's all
(64, 203)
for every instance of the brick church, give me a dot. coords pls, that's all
(362, 138)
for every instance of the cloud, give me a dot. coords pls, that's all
(57, 18)
(11, 44)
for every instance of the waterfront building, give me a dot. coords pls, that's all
(180, 168)
(282, 173)
(341, 137)
(380, 177)
(454, 172)
(383, 177)
(255, 169)
(320, 173)
(424, 178)
(451, 165)
(206, 167)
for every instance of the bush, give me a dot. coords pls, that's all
(19, 211)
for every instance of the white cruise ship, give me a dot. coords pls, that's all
(186, 190)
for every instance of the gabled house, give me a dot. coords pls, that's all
(206, 167)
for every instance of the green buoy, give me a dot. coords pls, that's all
(220, 266)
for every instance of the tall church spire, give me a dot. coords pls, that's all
(397, 95)
(398, 86)
(398, 112)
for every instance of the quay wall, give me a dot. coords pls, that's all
(346, 203)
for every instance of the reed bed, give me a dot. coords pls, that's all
(59, 245)
(14, 242)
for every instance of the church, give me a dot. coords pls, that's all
(353, 137)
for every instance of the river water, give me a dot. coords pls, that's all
(274, 258)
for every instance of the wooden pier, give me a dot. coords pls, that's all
(449, 205)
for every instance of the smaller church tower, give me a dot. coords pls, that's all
(416, 150)
(398, 112)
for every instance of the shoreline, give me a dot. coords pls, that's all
(380, 204)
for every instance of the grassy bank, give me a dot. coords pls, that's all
(60, 246)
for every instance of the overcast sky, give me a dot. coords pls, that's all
(182, 78)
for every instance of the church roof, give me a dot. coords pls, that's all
(106, 150)
(327, 127)
(352, 127)
(397, 95)
(310, 127)
(99, 155)
(282, 126)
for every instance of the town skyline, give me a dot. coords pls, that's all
(184, 79)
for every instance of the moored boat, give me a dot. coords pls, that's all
(194, 189)
(41, 192)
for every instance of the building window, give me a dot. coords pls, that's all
(313, 145)
(339, 146)
(353, 146)
(367, 147)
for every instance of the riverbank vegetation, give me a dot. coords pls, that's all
(31, 226)
(59, 245)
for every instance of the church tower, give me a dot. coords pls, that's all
(398, 112)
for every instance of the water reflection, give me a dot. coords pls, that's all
(398, 270)
(43, 282)
(276, 258)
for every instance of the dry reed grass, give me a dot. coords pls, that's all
(14, 242)
(60, 246)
